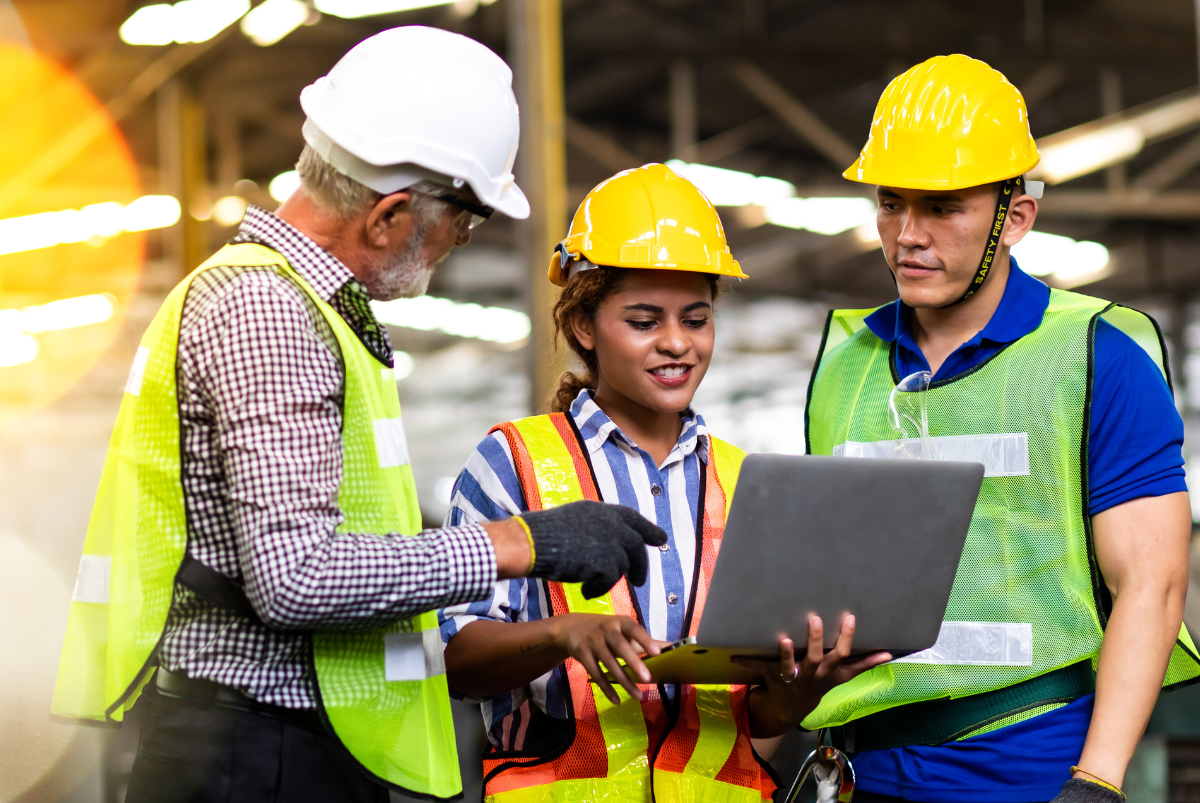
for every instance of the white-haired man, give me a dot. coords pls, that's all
(246, 536)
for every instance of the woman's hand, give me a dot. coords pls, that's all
(792, 690)
(594, 639)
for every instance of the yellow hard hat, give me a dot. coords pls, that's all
(647, 217)
(948, 123)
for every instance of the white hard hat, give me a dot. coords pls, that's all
(419, 103)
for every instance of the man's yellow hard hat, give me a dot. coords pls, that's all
(647, 217)
(948, 123)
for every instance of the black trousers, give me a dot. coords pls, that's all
(190, 752)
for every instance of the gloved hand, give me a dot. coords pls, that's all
(1078, 790)
(591, 543)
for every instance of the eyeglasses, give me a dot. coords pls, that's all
(478, 212)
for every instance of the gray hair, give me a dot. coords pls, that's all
(340, 195)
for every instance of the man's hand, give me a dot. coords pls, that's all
(1079, 790)
(593, 639)
(591, 543)
(792, 691)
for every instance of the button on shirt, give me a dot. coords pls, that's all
(666, 494)
(261, 383)
(1134, 450)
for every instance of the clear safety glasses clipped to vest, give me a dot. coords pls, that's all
(908, 408)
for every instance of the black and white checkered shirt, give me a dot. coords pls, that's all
(261, 382)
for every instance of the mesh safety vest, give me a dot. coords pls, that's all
(1028, 597)
(700, 748)
(383, 692)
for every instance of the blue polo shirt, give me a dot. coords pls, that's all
(1135, 450)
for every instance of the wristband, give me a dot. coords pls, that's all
(528, 535)
(1096, 779)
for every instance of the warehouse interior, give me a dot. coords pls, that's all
(162, 135)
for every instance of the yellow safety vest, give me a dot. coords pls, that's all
(382, 692)
(698, 751)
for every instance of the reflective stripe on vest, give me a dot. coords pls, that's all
(1028, 597)
(705, 755)
(383, 692)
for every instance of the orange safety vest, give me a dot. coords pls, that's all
(700, 748)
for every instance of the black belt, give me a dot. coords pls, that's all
(939, 721)
(208, 693)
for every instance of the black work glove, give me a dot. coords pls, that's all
(1079, 790)
(591, 543)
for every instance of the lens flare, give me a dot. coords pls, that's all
(72, 244)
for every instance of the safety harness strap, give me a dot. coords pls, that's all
(938, 721)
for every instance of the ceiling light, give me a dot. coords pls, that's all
(185, 21)
(228, 211)
(733, 187)
(17, 350)
(822, 215)
(93, 224)
(17, 346)
(351, 9)
(1088, 153)
(273, 20)
(283, 185)
(1113, 139)
(428, 313)
(150, 25)
(1068, 263)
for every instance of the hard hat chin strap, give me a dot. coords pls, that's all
(1011, 189)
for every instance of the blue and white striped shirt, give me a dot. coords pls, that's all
(667, 494)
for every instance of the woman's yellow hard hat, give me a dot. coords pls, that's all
(647, 217)
(948, 123)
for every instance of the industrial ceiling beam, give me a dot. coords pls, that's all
(1171, 167)
(737, 139)
(599, 146)
(795, 114)
(1099, 204)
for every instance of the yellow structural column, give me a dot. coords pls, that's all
(536, 36)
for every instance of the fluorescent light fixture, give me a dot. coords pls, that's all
(822, 215)
(1089, 153)
(733, 187)
(17, 326)
(1068, 263)
(93, 224)
(283, 185)
(431, 314)
(150, 25)
(402, 364)
(228, 211)
(1115, 138)
(352, 9)
(17, 350)
(68, 313)
(273, 20)
(183, 22)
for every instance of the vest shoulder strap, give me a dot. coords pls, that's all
(843, 324)
(726, 460)
(1137, 325)
(243, 255)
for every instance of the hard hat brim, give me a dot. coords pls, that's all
(863, 174)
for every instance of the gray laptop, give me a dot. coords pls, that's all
(829, 535)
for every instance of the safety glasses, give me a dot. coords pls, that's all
(909, 413)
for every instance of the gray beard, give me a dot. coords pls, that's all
(404, 276)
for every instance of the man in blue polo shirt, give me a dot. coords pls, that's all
(1078, 550)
